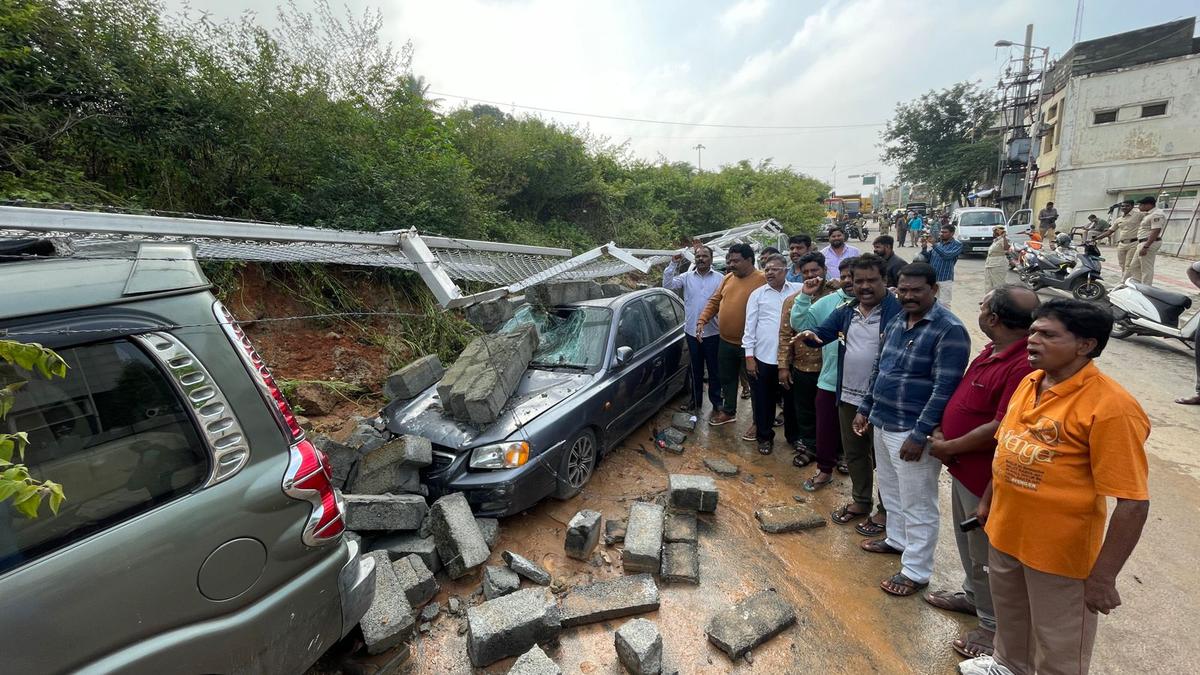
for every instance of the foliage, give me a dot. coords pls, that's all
(16, 484)
(321, 122)
(942, 140)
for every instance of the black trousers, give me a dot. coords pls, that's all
(764, 395)
(703, 356)
(803, 404)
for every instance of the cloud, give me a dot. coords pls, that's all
(742, 14)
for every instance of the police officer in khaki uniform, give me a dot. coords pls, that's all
(1149, 240)
(1125, 232)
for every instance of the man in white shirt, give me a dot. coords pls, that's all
(837, 251)
(761, 343)
(698, 284)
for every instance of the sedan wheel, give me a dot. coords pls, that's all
(578, 462)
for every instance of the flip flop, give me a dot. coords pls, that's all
(844, 516)
(870, 528)
(803, 459)
(1194, 400)
(904, 586)
(880, 546)
(971, 645)
(812, 485)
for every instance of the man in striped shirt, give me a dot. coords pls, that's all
(921, 360)
(943, 256)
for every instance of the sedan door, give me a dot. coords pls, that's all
(631, 383)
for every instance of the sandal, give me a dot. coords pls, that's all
(1194, 400)
(812, 484)
(870, 528)
(880, 546)
(844, 516)
(751, 434)
(803, 459)
(951, 602)
(843, 468)
(975, 643)
(901, 586)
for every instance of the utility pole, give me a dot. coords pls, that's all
(698, 147)
(833, 180)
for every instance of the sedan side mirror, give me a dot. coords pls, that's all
(623, 355)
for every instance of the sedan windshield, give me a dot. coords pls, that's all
(568, 337)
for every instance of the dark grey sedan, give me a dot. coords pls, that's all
(602, 368)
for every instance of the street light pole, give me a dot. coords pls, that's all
(1036, 129)
(698, 147)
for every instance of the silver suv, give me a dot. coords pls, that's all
(201, 532)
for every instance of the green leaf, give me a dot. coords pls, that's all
(7, 445)
(8, 488)
(21, 439)
(29, 507)
(56, 495)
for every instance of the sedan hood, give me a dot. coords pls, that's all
(538, 391)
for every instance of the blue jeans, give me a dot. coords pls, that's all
(703, 355)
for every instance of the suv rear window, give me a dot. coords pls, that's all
(977, 218)
(114, 433)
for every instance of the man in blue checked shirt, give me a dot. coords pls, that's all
(921, 360)
(943, 256)
(698, 285)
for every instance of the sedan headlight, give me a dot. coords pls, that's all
(500, 455)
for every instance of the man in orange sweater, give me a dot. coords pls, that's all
(728, 304)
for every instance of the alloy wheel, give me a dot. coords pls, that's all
(579, 465)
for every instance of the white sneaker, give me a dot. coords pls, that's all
(982, 665)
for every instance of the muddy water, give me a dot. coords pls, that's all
(846, 624)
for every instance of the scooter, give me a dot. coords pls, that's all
(1064, 269)
(1139, 309)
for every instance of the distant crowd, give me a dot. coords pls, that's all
(861, 361)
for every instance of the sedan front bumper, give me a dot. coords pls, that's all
(493, 493)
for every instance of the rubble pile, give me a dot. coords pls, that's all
(480, 382)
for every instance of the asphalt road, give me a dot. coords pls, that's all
(847, 625)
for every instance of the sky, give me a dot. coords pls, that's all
(836, 69)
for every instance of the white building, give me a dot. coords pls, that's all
(1123, 133)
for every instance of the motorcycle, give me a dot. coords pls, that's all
(1065, 269)
(1139, 309)
(857, 231)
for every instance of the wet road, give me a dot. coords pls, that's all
(847, 625)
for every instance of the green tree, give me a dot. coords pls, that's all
(942, 139)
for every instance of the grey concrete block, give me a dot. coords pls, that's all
(510, 625)
(749, 623)
(640, 647)
(489, 316)
(366, 513)
(681, 562)
(342, 458)
(459, 541)
(672, 436)
(403, 544)
(407, 451)
(392, 479)
(534, 662)
(498, 581)
(583, 533)
(490, 529)
(611, 290)
(366, 438)
(563, 293)
(389, 621)
(479, 383)
(693, 493)
(609, 599)
(526, 568)
(416, 580)
(614, 531)
(643, 538)
(721, 467)
(789, 518)
(680, 526)
(414, 378)
(684, 422)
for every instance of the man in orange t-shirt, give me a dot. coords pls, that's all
(1072, 437)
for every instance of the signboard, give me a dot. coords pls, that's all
(869, 180)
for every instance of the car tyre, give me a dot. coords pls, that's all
(577, 464)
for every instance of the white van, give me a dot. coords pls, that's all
(973, 227)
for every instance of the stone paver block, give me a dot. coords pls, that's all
(490, 529)
(681, 562)
(510, 625)
(526, 568)
(640, 647)
(366, 513)
(672, 436)
(407, 450)
(341, 458)
(365, 438)
(392, 479)
(692, 492)
(684, 421)
(459, 542)
(490, 316)
(583, 533)
(611, 290)
(498, 581)
(789, 518)
(563, 293)
(534, 662)
(476, 387)
(389, 620)
(643, 538)
(750, 623)
(609, 599)
(409, 543)
(721, 467)
(614, 531)
(416, 579)
(414, 378)
(680, 526)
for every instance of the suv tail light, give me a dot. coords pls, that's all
(309, 477)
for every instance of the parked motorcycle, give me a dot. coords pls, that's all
(1139, 309)
(1064, 268)
(855, 230)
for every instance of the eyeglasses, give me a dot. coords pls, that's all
(773, 269)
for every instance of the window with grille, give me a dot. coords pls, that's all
(1105, 117)
(1154, 109)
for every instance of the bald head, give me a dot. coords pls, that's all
(1007, 312)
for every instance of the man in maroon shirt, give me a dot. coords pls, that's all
(966, 442)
